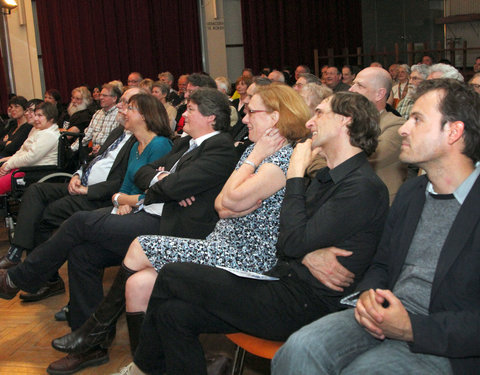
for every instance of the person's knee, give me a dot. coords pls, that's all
(138, 287)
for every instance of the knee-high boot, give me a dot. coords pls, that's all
(134, 323)
(99, 329)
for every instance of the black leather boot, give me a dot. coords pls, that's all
(134, 323)
(99, 330)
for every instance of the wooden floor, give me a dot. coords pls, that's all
(26, 331)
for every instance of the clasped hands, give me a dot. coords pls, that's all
(75, 186)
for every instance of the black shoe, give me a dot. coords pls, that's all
(51, 289)
(62, 315)
(75, 362)
(6, 263)
(92, 334)
(6, 291)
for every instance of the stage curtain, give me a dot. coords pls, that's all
(93, 42)
(4, 90)
(279, 33)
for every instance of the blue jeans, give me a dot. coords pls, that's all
(337, 344)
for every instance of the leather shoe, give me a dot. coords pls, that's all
(75, 362)
(6, 291)
(62, 314)
(6, 263)
(51, 289)
(92, 334)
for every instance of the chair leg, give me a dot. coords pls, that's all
(238, 361)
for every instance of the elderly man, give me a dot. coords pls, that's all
(172, 97)
(305, 78)
(375, 84)
(333, 79)
(196, 299)
(418, 304)
(134, 79)
(419, 73)
(475, 82)
(79, 110)
(393, 71)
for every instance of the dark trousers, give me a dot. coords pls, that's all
(104, 238)
(45, 206)
(189, 299)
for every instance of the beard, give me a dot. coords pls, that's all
(72, 108)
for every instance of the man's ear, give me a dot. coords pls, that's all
(455, 132)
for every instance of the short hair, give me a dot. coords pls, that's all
(154, 113)
(164, 88)
(117, 83)
(224, 83)
(460, 102)
(293, 111)
(474, 76)
(86, 94)
(146, 84)
(447, 71)
(310, 78)
(49, 110)
(55, 94)
(18, 100)
(363, 129)
(168, 75)
(339, 71)
(422, 69)
(33, 102)
(314, 94)
(245, 80)
(262, 81)
(305, 67)
(114, 90)
(201, 80)
(280, 76)
(210, 101)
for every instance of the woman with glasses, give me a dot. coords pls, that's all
(245, 236)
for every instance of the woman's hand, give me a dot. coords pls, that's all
(124, 209)
(269, 143)
(3, 170)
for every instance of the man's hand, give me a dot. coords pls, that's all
(187, 201)
(392, 322)
(95, 150)
(124, 209)
(75, 186)
(301, 158)
(323, 264)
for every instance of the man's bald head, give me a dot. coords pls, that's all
(375, 84)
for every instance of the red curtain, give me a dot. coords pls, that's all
(93, 42)
(4, 89)
(284, 32)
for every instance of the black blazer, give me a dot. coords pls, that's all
(105, 190)
(452, 328)
(201, 173)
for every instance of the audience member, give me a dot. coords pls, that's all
(376, 84)
(276, 76)
(475, 82)
(399, 91)
(427, 60)
(333, 79)
(348, 75)
(305, 78)
(418, 304)
(241, 85)
(146, 84)
(418, 74)
(444, 71)
(53, 96)
(160, 91)
(18, 128)
(198, 299)
(79, 110)
(301, 69)
(223, 85)
(476, 66)
(313, 94)
(323, 74)
(97, 89)
(40, 147)
(134, 79)
(376, 64)
(393, 71)
(173, 98)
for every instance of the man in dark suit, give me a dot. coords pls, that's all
(46, 205)
(419, 303)
(91, 241)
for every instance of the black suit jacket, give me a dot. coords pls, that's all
(104, 190)
(452, 329)
(201, 173)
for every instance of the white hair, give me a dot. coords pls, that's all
(447, 71)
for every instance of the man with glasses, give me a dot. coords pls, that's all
(134, 79)
(305, 78)
(475, 82)
(419, 73)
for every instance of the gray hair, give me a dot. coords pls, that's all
(314, 94)
(310, 78)
(406, 67)
(447, 71)
(422, 69)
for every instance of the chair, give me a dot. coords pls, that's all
(254, 345)
(25, 176)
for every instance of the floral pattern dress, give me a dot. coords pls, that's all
(246, 243)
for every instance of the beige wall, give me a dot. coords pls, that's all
(24, 51)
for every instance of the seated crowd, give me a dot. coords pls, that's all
(265, 212)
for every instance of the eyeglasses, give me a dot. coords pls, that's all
(249, 111)
(415, 79)
(104, 95)
(132, 108)
(475, 86)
